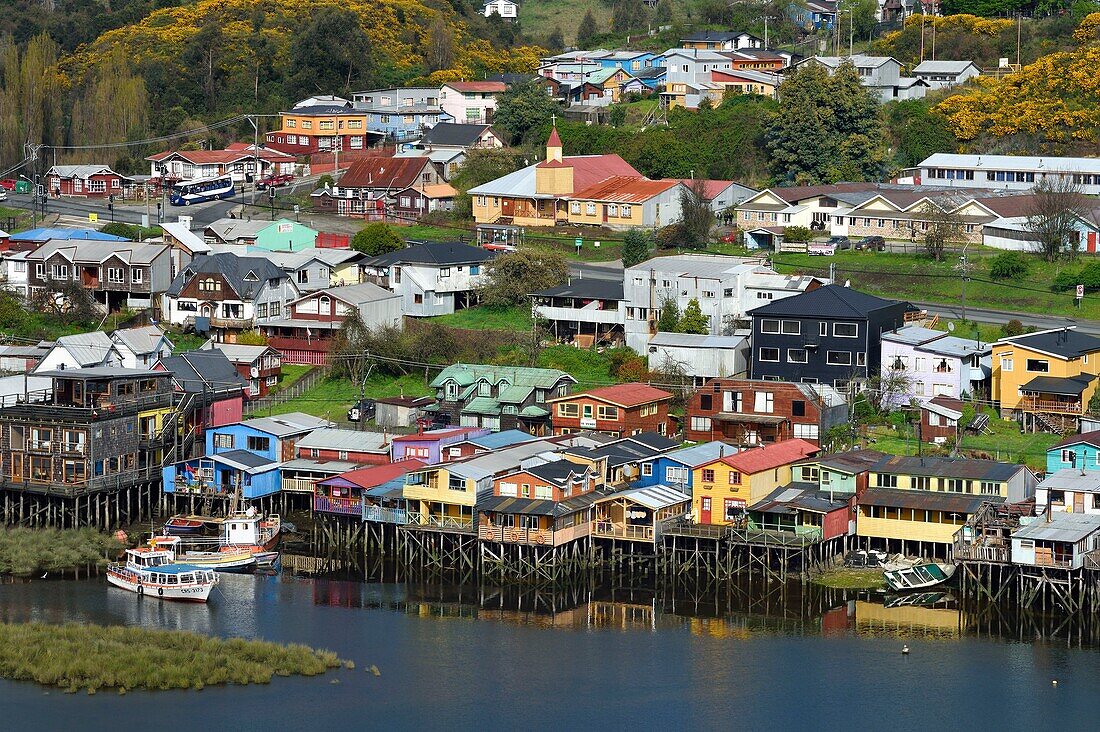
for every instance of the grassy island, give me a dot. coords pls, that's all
(844, 578)
(75, 657)
(30, 552)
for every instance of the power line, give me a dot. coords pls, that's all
(150, 140)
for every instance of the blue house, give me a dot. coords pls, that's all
(629, 60)
(675, 468)
(1077, 452)
(814, 14)
(223, 474)
(273, 438)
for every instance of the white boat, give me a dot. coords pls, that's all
(919, 576)
(153, 572)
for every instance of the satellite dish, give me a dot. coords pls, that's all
(951, 327)
(254, 372)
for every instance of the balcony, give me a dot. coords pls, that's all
(40, 405)
(345, 506)
(378, 514)
(298, 485)
(584, 315)
(1050, 406)
(436, 521)
(114, 482)
(231, 323)
(612, 530)
(515, 535)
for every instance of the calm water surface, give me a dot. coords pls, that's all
(467, 661)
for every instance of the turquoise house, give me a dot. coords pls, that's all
(281, 235)
(844, 472)
(1076, 452)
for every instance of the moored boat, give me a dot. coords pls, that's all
(919, 576)
(181, 526)
(219, 561)
(151, 571)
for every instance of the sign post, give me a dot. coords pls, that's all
(1080, 294)
(577, 243)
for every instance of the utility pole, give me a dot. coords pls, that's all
(255, 157)
(964, 269)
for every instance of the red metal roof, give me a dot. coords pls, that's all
(477, 86)
(384, 172)
(376, 475)
(623, 395)
(625, 189)
(769, 457)
(555, 139)
(591, 169)
(711, 188)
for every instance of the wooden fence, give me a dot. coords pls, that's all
(295, 390)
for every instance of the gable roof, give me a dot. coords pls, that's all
(385, 172)
(141, 340)
(655, 497)
(333, 438)
(465, 374)
(43, 234)
(375, 475)
(587, 170)
(357, 296)
(829, 301)
(82, 171)
(88, 349)
(78, 250)
(947, 467)
(1061, 342)
(432, 252)
(1085, 438)
(943, 67)
(624, 189)
(623, 395)
(769, 457)
(476, 86)
(1060, 526)
(198, 371)
(283, 425)
(238, 352)
(233, 268)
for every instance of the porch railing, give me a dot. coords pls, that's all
(346, 506)
(1031, 404)
(378, 514)
(298, 485)
(613, 530)
(514, 535)
(454, 523)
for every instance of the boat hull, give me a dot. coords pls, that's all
(183, 527)
(219, 562)
(198, 592)
(918, 577)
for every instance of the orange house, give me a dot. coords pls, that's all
(544, 505)
(620, 411)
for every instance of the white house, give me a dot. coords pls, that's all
(881, 74)
(1056, 540)
(688, 76)
(1070, 490)
(702, 357)
(936, 363)
(726, 288)
(141, 347)
(13, 272)
(434, 278)
(1009, 172)
(83, 350)
(504, 8)
(470, 102)
(939, 74)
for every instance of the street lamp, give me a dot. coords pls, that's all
(34, 199)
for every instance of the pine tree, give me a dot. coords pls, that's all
(693, 320)
(669, 319)
(587, 31)
(635, 247)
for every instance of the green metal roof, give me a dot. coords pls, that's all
(482, 405)
(533, 412)
(468, 374)
(515, 394)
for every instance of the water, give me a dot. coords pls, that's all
(470, 659)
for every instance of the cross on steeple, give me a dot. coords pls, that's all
(554, 120)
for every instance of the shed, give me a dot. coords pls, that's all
(1056, 540)
(637, 514)
(399, 411)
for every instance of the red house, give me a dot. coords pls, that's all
(214, 392)
(89, 181)
(620, 411)
(260, 366)
(371, 186)
(939, 419)
(343, 494)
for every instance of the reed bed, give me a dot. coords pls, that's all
(93, 657)
(30, 552)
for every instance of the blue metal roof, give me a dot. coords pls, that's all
(390, 487)
(46, 234)
(495, 440)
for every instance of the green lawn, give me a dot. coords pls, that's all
(13, 220)
(987, 332)
(291, 372)
(185, 341)
(332, 397)
(539, 19)
(1006, 443)
(424, 232)
(918, 277)
(589, 368)
(516, 318)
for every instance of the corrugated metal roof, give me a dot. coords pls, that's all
(925, 500)
(693, 340)
(290, 423)
(947, 467)
(1072, 479)
(654, 497)
(332, 438)
(1061, 526)
(140, 341)
(89, 349)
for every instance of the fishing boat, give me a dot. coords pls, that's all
(182, 526)
(219, 561)
(919, 576)
(154, 572)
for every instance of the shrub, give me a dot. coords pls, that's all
(377, 238)
(1012, 328)
(1089, 276)
(1008, 266)
(795, 234)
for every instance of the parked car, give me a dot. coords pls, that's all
(8, 183)
(840, 242)
(730, 237)
(3, 194)
(441, 420)
(275, 181)
(361, 410)
(871, 244)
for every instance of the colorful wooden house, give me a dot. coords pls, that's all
(1062, 541)
(914, 522)
(344, 494)
(428, 446)
(805, 511)
(725, 487)
(843, 472)
(619, 410)
(485, 443)
(1010, 481)
(225, 474)
(1077, 452)
(676, 469)
(637, 514)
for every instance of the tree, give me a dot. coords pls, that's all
(797, 234)
(481, 166)
(326, 181)
(511, 277)
(377, 238)
(586, 32)
(636, 246)
(696, 215)
(251, 338)
(1008, 266)
(693, 320)
(663, 12)
(1057, 207)
(889, 388)
(524, 108)
(669, 319)
(439, 44)
(117, 228)
(556, 40)
(943, 226)
(1012, 328)
(329, 52)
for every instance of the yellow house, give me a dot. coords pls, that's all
(443, 496)
(724, 488)
(1047, 378)
(610, 79)
(914, 522)
(1009, 481)
(624, 202)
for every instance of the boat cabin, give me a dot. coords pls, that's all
(637, 514)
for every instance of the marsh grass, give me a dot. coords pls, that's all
(75, 657)
(28, 552)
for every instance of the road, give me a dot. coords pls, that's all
(75, 211)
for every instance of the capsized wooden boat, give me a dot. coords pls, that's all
(919, 576)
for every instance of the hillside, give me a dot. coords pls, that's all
(1048, 106)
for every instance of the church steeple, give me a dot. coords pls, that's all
(553, 146)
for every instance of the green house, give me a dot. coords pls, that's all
(499, 397)
(281, 235)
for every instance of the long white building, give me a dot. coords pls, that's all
(1008, 172)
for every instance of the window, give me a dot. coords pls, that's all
(838, 358)
(990, 488)
(735, 477)
(624, 211)
(922, 483)
(1038, 365)
(606, 412)
(259, 444)
(918, 388)
(223, 441)
(861, 358)
(764, 403)
(708, 475)
(59, 272)
(613, 210)
(796, 355)
(769, 354)
(806, 431)
(845, 330)
(700, 424)
(574, 207)
(590, 209)
(418, 298)
(957, 485)
(798, 408)
(1006, 363)
(568, 410)
(676, 475)
(769, 326)
(647, 469)
(792, 327)
(886, 480)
